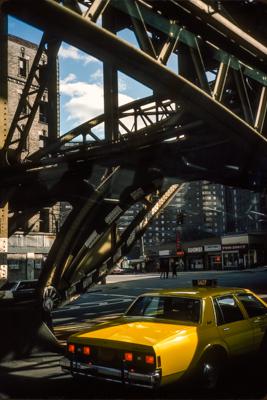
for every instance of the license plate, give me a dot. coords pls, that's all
(77, 365)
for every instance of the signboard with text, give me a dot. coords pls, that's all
(231, 247)
(164, 252)
(195, 249)
(212, 247)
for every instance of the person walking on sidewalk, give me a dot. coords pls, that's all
(164, 268)
(161, 269)
(167, 268)
(173, 268)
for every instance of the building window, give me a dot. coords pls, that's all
(43, 112)
(16, 263)
(42, 142)
(24, 109)
(38, 264)
(23, 67)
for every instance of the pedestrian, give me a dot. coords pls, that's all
(156, 266)
(167, 267)
(173, 268)
(181, 264)
(161, 269)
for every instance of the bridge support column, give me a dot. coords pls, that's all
(23, 330)
(110, 89)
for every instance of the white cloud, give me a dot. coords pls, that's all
(122, 85)
(70, 78)
(70, 52)
(86, 100)
(97, 75)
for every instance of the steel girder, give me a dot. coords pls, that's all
(92, 39)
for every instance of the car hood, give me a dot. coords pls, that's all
(146, 333)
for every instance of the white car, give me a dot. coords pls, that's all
(18, 289)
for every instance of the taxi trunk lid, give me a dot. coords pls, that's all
(137, 332)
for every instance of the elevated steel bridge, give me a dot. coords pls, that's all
(206, 120)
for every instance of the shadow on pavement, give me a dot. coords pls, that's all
(42, 378)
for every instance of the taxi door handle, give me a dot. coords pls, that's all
(226, 329)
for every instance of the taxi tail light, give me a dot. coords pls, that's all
(71, 348)
(150, 359)
(86, 350)
(128, 356)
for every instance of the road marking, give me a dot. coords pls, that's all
(115, 295)
(93, 305)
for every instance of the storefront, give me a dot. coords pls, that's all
(243, 251)
(195, 258)
(213, 256)
(236, 256)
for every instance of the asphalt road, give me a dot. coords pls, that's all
(115, 297)
(40, 376)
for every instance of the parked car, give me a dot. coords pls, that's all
(167, 335)
(19, 289)
(117, 270)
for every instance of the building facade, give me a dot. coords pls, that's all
(28, 247)
(202, 211)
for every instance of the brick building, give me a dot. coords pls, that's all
(28, 246)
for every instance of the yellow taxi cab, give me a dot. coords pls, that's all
(169, 334)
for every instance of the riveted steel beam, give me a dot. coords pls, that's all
(61, 255)
(93, 39)
(38, 77)
(244, 97)
(202, 19)
(260, 121)
(220, 49)
(110, 88)
(200, 67)
(155, 106)
(96, 9)
(53, 91)
(210, 15)
(168, 48)
(220, 80)
(140, 28)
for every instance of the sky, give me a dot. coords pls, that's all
(81, 79)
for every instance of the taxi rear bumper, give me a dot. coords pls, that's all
(122, 375)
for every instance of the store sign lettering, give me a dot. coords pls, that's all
(212, 247)
(235, 247)
(195, 249)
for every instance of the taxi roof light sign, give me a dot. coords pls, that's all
(204, 282)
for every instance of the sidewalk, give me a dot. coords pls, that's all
(113, 278)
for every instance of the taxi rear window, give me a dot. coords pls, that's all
(166, 307)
